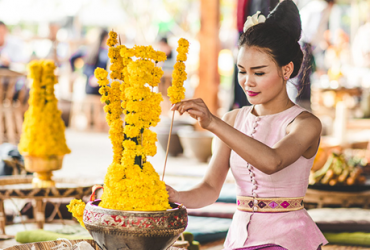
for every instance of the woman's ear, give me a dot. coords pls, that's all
(287, 70)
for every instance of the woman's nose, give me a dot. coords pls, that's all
(249, 82)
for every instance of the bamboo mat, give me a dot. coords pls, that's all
(336, 247)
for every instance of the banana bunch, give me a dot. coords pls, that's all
(336, 171)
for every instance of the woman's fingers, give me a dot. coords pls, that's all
(172, 193)
(197, 109)
(175, 106)
(184, 106)
(198, 115)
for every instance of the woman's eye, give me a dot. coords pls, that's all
(259, 74)
(242, 72)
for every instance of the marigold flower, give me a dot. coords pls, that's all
(181, 57)
(112, 40)
(112, 34)
(100, 73)
(43, 129)
(177, 92)
(131, 183)
(77, 207)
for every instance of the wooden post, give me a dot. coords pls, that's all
(2, 217)
(209, 79)
(39, 213)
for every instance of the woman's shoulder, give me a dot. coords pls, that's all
(306, 116)
(232, 115)
(306, 120)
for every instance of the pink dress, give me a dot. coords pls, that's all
(291, 230)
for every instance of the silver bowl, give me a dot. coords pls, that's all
(138, 230)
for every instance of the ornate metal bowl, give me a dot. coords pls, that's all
(134, 230)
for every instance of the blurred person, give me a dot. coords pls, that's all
(361, 45)
(11, 49)
(167, 66)
(170, 53)
(53, 53)
(96, 55)
(337, 54)
(315, 22)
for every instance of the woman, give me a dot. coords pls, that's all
(95, 56)
(269, 146)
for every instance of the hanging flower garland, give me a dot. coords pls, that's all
(111, 96)
(177, 92)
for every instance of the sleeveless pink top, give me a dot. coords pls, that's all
(291, 230)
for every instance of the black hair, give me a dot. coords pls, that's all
(93, 51)
(279, 35)
(163, 40)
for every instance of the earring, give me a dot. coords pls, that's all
(285, 77)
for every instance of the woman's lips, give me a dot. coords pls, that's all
(251, 93)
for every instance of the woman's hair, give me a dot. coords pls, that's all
(93, 51)
(278, 36)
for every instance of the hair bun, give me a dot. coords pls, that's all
(286, 16)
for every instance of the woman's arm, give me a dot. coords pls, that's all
(303, 136)
(208, 190)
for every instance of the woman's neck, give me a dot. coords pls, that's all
(272, 107)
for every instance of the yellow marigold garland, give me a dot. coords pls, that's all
(111, 95)
(177, 92)
(43, 128)
(77, 207)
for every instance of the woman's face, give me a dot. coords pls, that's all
(259, 76)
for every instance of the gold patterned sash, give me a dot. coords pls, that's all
(269, 205)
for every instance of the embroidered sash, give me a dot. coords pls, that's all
(269, 205)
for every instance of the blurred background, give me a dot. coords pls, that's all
(334, 36)
(335, 86)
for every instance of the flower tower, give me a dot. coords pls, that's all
(134, 211)
(43, 142)
(131, 182)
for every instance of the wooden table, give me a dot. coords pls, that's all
(21, 188)
(343, 199)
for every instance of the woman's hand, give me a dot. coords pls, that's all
(172, 194)
(197, 109)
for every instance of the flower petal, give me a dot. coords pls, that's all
(248, 23)
(261, 19)
(254, 19)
